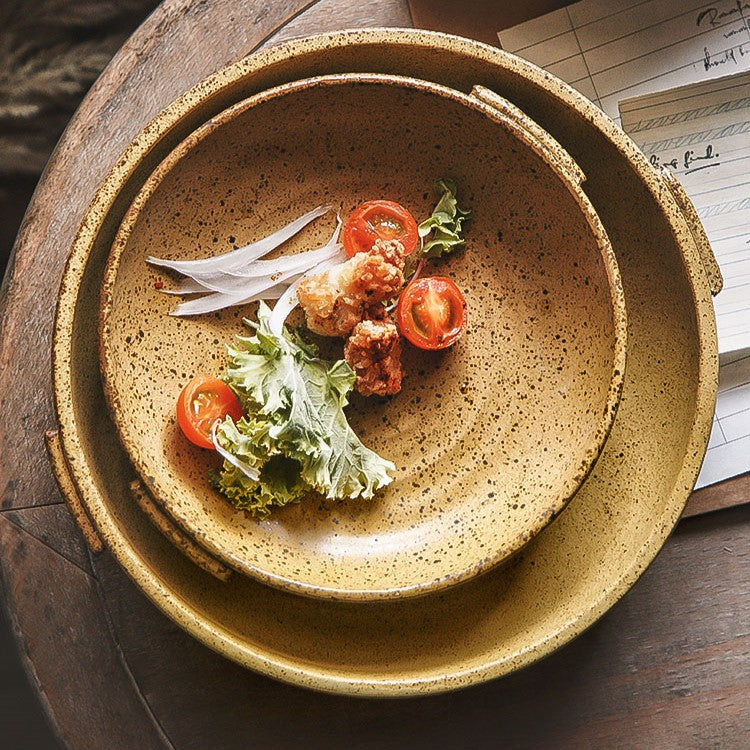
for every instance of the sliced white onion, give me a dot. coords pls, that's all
(219, 301)
(188, 286)
(249, 471)
(238, 290)
(262, 267)
(236, 259)
(241, 295)
(225, 281)
(274, 271)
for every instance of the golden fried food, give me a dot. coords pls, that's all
(336, 300)
(373, 351)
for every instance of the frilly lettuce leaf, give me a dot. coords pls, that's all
(445, 223)
(279, 484)
(295, 431)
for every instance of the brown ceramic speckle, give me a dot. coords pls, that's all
(491, 437)
(580, 565)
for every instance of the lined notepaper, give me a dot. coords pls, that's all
(702, 133)
(729, 446)
(674, 75)
(616, 49)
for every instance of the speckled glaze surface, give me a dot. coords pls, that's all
(490, 438)
(580, 565)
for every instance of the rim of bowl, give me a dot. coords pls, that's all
(567, 487)
(139, 567)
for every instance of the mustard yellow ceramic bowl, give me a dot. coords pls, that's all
(490, 438)
(578, 566)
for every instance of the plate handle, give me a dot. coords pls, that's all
(187, 546)
(697, 232)
(61, 470)
(544, 142)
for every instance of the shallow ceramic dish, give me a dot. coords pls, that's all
(580, 565)
(490, 438)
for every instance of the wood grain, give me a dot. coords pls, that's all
(67, 645)
(678, 680)
(668, 667)
(725, 494)
(54, 526)
(141, 80)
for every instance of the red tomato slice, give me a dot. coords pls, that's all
(376, 220)
(432, 312)
(203, 401)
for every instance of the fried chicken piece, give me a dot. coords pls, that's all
(373, 351)
(336, 300)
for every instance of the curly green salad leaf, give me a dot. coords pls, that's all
(295, 432)
(445, 223)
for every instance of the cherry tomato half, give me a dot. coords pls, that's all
(203, 401)
(377, 220)
(432, 312)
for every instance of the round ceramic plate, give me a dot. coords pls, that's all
(490, 438)
(579, 565)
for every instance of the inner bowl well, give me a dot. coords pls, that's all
(490, 438)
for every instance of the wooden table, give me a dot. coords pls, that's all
(668, 667)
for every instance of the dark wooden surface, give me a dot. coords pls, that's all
(668, 667)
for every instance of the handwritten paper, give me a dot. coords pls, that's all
(660, 69)
(616, 49)
(729, 446)
(702, 133)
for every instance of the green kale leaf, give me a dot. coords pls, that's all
(295, 432)
(445, 223)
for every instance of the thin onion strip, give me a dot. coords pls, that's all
(239, 291)
(219, 301)
(232, 283)
(237, 259)
(249, 471)
(188, 287)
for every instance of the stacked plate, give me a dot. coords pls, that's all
(451, 517)
(491, 438)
